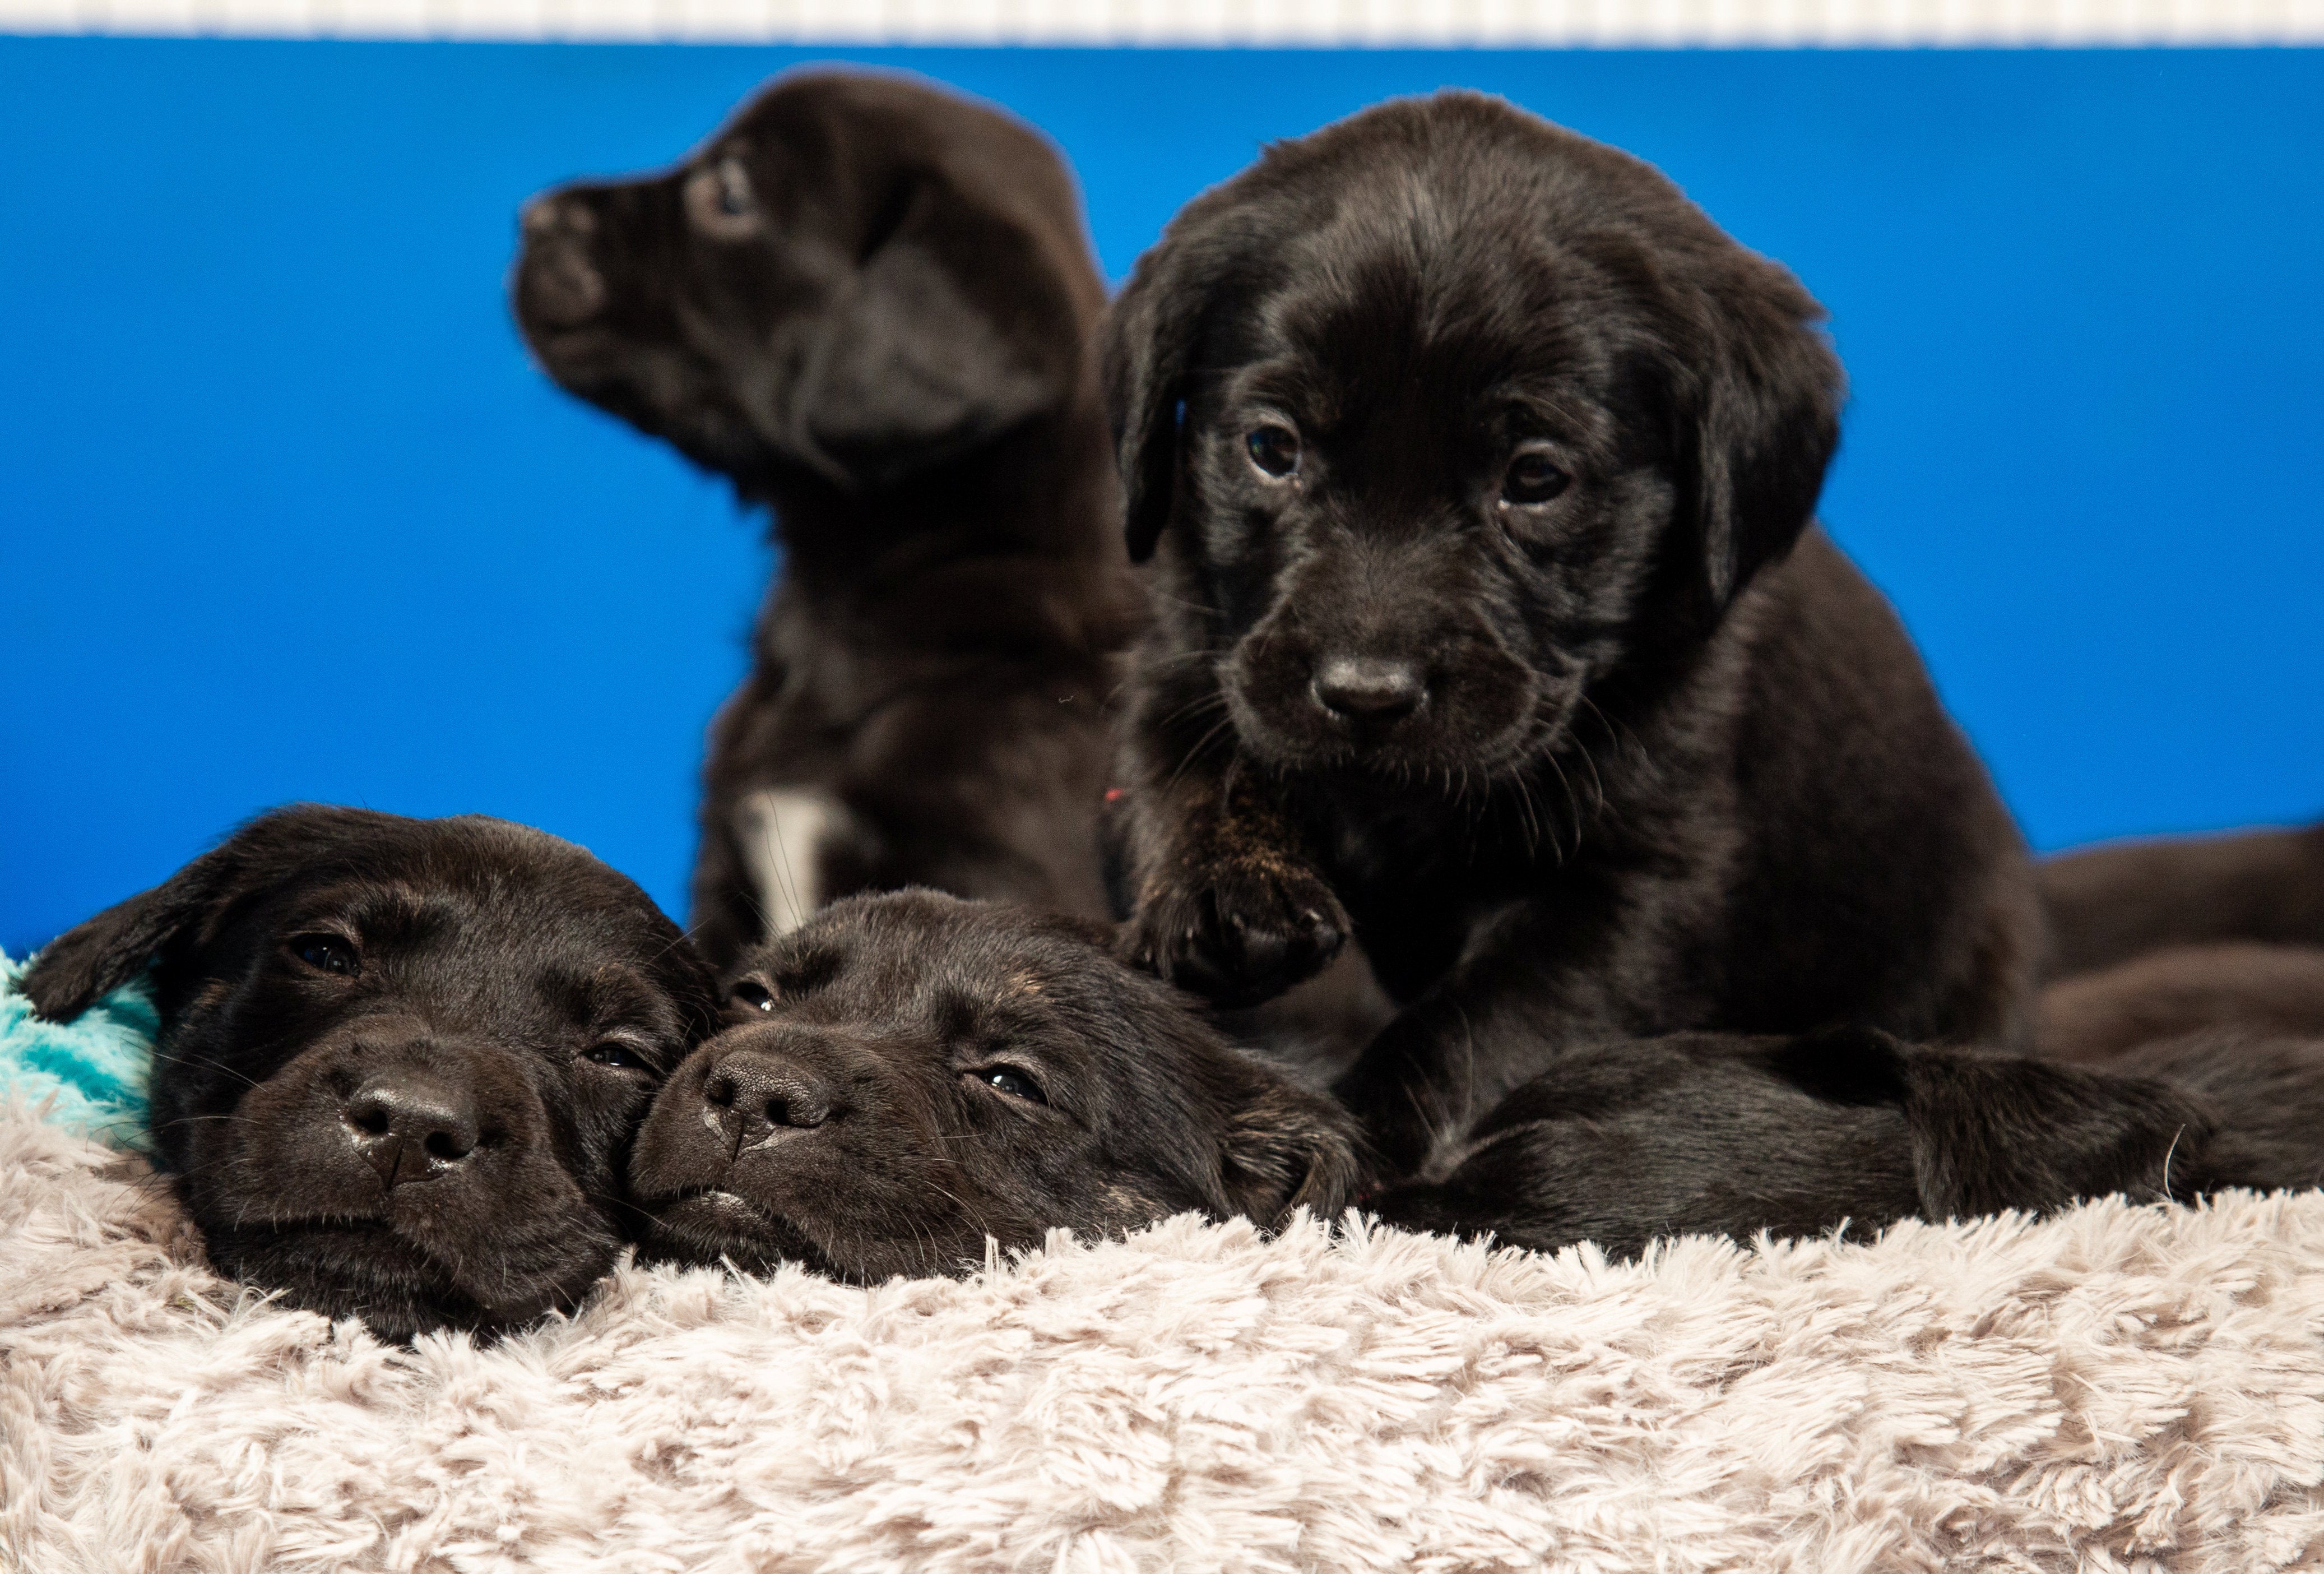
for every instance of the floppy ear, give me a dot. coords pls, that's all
(1765, 420)
(909, 370)
(92, 960)
(1148, 346)
(1997, 1132)
(71, 972)
(1288, 1149)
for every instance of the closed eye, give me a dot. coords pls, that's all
(620, 1055)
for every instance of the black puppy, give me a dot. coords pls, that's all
(910, 1074)
(401, 1061)
(2260, 990)
(1713, 1134)
(869, 304)
(2108, 904)
(1479, 462)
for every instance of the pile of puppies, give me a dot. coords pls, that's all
(1497, 804)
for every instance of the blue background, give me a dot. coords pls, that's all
(285, 512)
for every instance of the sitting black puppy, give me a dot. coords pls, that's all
(869, 304)
(1494, 631)
(1715, 1133)
(401, 1061)
(910, 1074)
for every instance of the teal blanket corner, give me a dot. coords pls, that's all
(91, 1072)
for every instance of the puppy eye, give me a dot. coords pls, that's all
(1532, 478)
(719, 200)
(1015, 1083)
(324, 954)
(621, 1056)
(1274, 450)
(755, 994)
(735, 198)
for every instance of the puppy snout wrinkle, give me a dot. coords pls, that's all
(1372, 688)
(752, 1097)
(413, 1124)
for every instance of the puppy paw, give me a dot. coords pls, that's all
(1243, 933)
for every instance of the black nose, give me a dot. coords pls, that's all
(560, 281)
(754, 1097)
(1369, 688)
(413, 1123)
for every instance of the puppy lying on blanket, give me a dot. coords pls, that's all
(2261, 990)
(2109, 904)
(1496, 634)
(910, 1074)
(1706, 1133)
(867, 304)
(399, 1060)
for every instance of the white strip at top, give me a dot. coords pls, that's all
(1457, 23)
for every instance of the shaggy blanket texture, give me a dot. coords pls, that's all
(2124, 1388)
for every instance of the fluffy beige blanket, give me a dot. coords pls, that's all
(2122, 1388)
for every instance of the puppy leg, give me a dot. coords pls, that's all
(1225, 900)
(1499, 1019)
(1441, 1065)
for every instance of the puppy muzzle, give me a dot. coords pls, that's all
(559, 281)
(363, 1124)
(413, 1122)
(747, 1093)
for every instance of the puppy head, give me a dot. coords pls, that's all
(1445, 412)
(400, 1059)
(908, 1074)
(856, 279)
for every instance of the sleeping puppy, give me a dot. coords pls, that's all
(401, 1061)
(2262, 990)
(1494, 632)
(867, 304)
(910, 1074)
(2109, 903)
(1714, 1134)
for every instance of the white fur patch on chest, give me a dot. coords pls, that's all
(782, 831)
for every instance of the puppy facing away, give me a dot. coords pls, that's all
(908, 1074)
(401, 1061)
(1494, 632)
(2266, 991)
(1707, 1133)
(2109, 903)
(869, 305)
